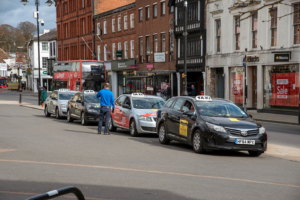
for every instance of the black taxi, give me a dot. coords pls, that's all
(210, 124)
(84, 106)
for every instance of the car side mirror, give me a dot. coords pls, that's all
(188, 113)
(250, 116)
(126, 106)
(54, 98)
(78, 101)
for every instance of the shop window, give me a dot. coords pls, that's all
(281, 87)
(237, 33)
(218, 35)
(254, 30)
(154, 10)
(296, 23)
(273, 13)
(236, 85)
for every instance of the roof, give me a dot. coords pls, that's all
(52, 35)
(117, 10)
(3, 55)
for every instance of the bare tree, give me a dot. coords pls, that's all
(28, 29)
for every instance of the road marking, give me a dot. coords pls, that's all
(150, 171)
(7, 150)
(34, 194)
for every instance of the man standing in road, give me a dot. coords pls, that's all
(194, 92)
(107, 100)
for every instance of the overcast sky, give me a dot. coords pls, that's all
(13, 11)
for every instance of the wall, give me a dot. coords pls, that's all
(102, 6)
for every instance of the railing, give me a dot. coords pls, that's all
(57, 193)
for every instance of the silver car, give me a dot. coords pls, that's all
(136, 112)
(57, 102)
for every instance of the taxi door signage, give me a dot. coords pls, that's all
(183, 127)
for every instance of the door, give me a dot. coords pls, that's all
(187, 122)
(72, 105)
(53, 102)
(125, 113)
(174, 117)
(254, 87)
(116, 115)
(219, 83)
(78, 106)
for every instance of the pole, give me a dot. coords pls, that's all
(245, 85)
(184, 92)
(38, 35)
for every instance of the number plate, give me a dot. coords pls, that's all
(241, 141)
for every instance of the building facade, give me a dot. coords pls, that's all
(75, 39)
(262, 46)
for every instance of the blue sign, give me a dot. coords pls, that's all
(244, 62)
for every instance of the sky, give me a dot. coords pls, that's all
(13, 12)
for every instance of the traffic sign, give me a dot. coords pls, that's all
(28, 70)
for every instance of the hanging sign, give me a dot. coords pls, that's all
(119, 53)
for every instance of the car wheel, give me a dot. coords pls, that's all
(111, 126)
(162, 134)
(69, 118)
(255, 153)
(83, 121)
(47, 114)
(132, 129)
(57, 115)
(197, 142)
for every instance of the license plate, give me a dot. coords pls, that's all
(241, 141)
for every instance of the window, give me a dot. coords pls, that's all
(155, 10)
(155, 44)
(237, 33)
(120, 100)
(141, 49)
(114, 51)
(125, 22)
(177, 105)
(141, 14)
(171, 47)
(148, 45)
(105, 56)
(113, 23)
(218, 34)
(296, 23)
(126, 50)
(119, 24)
(82, 3)
(147, 13)
(44, 62)
(163, 43)
(132, 49)
(50, 44)
(119, 48)
(254, 30)
(104, 24)
(163, 8)
(54, 47)
(98, 52)
(273, 13)
(172, 9)
(44, 46)
(98, 28)
(169, 103)
(132, 21)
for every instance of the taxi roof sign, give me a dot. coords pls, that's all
(137, 95)
(203, 98)
(89, 91)
(63, 90)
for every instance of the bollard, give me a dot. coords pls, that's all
(20, 100)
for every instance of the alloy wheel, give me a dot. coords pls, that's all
(196, 141)
(162, 133)
(132, 127)
(82, 119)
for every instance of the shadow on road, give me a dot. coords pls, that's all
(12, 190)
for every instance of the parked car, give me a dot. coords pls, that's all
(57, 102)
(136, 112)
(209, 124)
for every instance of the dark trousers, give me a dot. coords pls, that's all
(104, 111)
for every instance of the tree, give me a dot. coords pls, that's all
(11, 38)
(27, 29)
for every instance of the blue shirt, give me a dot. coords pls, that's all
(107, 98)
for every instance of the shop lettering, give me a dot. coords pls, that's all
(121, 65)
(60, 76)
(237, 87)
(282, 81)
(253, 59)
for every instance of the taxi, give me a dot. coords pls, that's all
(84, 106)
(135, 112)
(210, 124)
(57, 102)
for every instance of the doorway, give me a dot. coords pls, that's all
(219, 83)
(254, 87)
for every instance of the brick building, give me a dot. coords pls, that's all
(74, 20)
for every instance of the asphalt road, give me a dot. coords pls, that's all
(39, 154)
(8, 95)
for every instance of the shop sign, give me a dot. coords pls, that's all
(45, 72)
(237, 87)
(160, 57)
(281, 57)
(29, 74)
(119, 53)
(122, 65)
(252, 59)
(282, 88)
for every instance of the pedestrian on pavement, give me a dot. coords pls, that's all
(43, 96)
(168, 92)
(106, 101)
(194, 92)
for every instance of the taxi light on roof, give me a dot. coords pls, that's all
(203, 98)
(137, 95)
(89, 91)
(63, 90)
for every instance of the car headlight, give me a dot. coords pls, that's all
(262, 130)
(63, 106)
(147, 119)
(213, 127)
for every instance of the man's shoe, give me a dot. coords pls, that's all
(99, 133)
(106, 134)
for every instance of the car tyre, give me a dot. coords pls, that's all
(255, 153)
(57, 115)
(69, 118)
(162, 135)
(111, 126)
(83, 121)
(198, 143)
(132, 129)
(47, 114)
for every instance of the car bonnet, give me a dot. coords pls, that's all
(233, 122)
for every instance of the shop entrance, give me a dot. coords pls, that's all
(254, 87)
(219, 83)
(193, 78)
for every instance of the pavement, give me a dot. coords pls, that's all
(275, 118)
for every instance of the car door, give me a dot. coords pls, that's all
(125, 112)
(174, 116)
(187, 122)
(116, 115)
(72, 105)
(53, 102)
(48, 100)
(78, 106)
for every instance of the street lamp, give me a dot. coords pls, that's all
(37, 2)
(185, 92)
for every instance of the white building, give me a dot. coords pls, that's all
(3, 70)
(47, 45)
(269, 34)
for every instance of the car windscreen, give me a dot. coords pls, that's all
(65, 96)
(91, 98)
(220, 109)
(148, 103)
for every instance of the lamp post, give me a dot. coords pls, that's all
(37, 2)
(184, 92)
